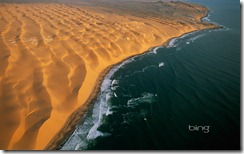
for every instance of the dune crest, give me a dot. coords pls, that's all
(52, 54)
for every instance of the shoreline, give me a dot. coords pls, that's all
(217, 26)
(78, 115)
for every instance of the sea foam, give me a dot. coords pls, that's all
(161, 64)
(145, 98)
(87, 132)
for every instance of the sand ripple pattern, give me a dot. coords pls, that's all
(51, 56)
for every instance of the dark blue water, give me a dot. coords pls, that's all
(186, 96)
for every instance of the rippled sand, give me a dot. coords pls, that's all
(52, 55)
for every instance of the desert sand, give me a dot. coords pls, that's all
(53, 56)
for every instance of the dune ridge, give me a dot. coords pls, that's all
(54, 55)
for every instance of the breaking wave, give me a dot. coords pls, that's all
(161, 64)
(145, 98)
(154, 50)
(88, 131)
(135, 103)
(175, 42)
(206, 19)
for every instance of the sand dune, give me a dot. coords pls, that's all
(51, 56)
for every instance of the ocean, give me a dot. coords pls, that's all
(182, 97)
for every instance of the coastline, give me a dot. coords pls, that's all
(166, 44)
(78, 114)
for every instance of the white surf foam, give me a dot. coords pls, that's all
(154, 50)
(88, 131)
(140, 71)
(107, 80)
(161, 64)
(115, 95)
(206, 19)
(126, 62)
(146, 98)
(114, 87)
(109, 112)
(197, 37)
(100, 110)
(174, 42)
(115, 82)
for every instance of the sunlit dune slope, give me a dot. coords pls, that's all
(52, 54)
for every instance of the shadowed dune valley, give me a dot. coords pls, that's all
(54, 55)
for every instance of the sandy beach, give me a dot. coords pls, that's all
(55, 55)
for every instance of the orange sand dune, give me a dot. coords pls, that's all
(51, 56)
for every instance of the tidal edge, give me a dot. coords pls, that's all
(78, 115)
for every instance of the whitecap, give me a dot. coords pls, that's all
(161, 64)
(109, 112)
(115, 82)
(114, 88)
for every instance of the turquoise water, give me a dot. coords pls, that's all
(184, 97)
